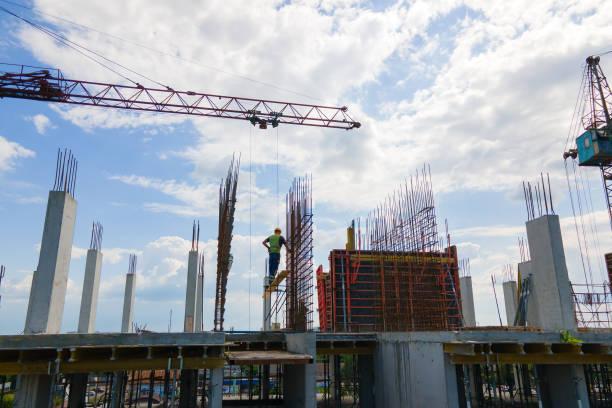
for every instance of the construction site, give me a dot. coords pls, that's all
(389, 321)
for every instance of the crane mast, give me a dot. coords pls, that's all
(51, 86)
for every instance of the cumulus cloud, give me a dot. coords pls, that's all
(10, 152)
(41, 122)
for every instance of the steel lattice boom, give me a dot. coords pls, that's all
(51, 86)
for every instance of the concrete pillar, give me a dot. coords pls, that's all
(550, 283)
(299, 381)
(467, 301)
(91, 285)
(48, 291)
(128, 303)
(365, 368)
(510, 300)
(191, 291)
(413, 373)
(267, 315)
(215, 388)
(550, 306)
(199, 301)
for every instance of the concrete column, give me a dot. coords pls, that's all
(91, 285)
(550, 283)
(199, 299)
(191, 291)
(550, 306)
(267, 316)
(365, 368)
(215, 388)
(128, 303)
(510, 300)
(299, 381)
(467, 301)
(413, 373)
(48, 291)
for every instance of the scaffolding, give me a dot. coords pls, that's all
(293, 296)
(592, 305)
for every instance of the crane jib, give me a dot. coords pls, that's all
(44, 86)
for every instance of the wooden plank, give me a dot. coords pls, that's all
(266, 357)
(274, 285)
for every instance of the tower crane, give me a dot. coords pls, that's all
(51, 86)
(594, 146)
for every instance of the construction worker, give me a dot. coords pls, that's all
(274, 244)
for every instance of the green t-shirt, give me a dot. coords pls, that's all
(275, 241)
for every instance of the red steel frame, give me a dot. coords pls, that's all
(37, 84)
(392, 291)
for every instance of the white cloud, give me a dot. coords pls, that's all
(41, 122)
(10, 152)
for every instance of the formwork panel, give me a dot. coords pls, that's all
(390, 291)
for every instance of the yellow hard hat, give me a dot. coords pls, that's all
(277, 229)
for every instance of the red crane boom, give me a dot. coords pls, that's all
(51, 86)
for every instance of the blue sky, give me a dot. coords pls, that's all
(482, 91)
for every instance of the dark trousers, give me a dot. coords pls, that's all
(274, 260)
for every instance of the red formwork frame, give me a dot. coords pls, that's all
(390, 291)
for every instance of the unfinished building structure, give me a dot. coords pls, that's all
(403, 279)
(392, 312)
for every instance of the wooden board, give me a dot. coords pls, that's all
(266, 357)
(274, 285)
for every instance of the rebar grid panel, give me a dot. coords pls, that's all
(592, 305)
(391, 291)
(406, 220)
(227, 207)
(299, 286)
(65, 172)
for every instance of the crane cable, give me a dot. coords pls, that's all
(167, 54)
(277, 185)
(250, 218)
(78, 47)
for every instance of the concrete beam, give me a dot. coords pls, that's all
(91, 285)
(74, 340)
